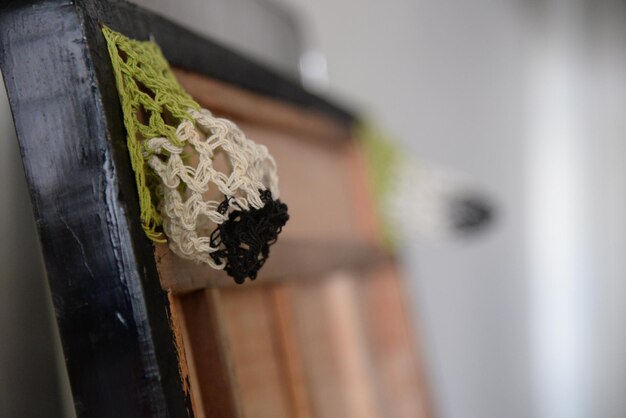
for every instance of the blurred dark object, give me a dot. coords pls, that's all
(470, 214)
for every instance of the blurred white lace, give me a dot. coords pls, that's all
(433, 202)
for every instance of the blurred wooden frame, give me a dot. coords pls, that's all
(324, 330)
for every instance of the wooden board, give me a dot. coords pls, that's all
(394, 353)
(209, 355)
(259, 365)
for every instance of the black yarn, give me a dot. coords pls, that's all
(470, 213)
(245, 238)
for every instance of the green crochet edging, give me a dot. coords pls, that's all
(383, 157)
(154, 104)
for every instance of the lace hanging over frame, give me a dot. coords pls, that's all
(203, 186)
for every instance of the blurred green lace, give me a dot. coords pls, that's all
(383, 158)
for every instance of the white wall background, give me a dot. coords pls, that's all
(31, 377)
(526, 97)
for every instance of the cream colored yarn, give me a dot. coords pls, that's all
(201, 183)
(188, 216)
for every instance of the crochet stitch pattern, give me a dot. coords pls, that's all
(201, 182)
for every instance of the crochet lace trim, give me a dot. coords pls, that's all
(201, 182)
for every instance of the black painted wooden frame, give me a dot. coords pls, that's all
(113, 317)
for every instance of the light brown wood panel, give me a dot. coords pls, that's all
(258, 364)
(242, 105)
(215, 389)
(363, 202)
(313, 182)
(290, 351)
(333, 348)
(289, 260)
(395, 356)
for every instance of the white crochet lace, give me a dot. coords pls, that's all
(190, 210)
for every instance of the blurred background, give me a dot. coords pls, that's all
(527, 99)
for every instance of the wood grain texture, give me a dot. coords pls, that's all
(395, 354)
(289, 350)
(207, 345)
(332, 347)
(258, 362)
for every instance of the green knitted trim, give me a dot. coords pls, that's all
(383, 158)
(154, 104)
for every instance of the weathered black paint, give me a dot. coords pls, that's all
(112, 314)
(110, 310)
